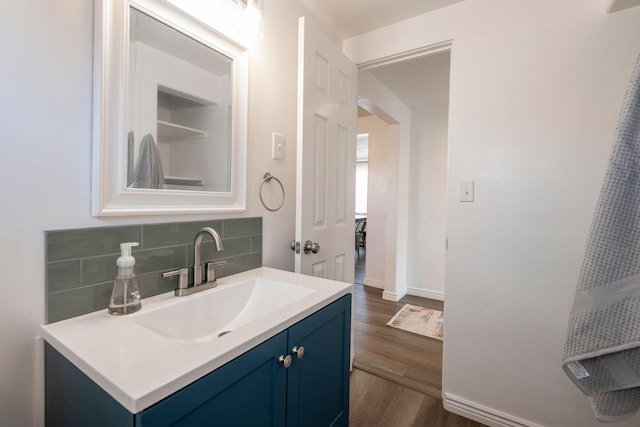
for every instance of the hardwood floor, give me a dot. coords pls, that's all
(376, 402)
(397, 375)
(408, 359)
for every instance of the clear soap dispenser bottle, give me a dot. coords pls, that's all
(125, 297)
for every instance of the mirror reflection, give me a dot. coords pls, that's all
(180, 124)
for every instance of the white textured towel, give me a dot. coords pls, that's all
(602, 347)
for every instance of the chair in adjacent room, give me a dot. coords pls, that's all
(360, 236)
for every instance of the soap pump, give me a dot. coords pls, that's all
(125, 297)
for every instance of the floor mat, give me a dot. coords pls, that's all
(419, 320)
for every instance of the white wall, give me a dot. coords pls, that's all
(536, 87)
(45, 158)
(428, 202)
(377, 197)
(377, 99)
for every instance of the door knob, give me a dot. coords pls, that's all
(295, 246)
(309, 246)
(285, 360)
(298, 351)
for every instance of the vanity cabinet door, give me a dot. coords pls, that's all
(318, 382)
(248, 391)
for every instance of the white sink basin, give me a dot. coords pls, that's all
(205, 316)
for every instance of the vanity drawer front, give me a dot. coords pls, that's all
(248, 391)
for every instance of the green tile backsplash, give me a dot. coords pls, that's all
(81, 263)
(70, 244)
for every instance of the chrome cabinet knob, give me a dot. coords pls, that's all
(309, 246)
(298, 351)
(285, 360)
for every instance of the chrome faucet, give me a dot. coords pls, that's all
(209, 273)
(197, 262)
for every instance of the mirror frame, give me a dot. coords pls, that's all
(110, 195)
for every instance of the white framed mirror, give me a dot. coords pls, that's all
(170, 112)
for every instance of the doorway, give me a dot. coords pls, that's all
(411, 99)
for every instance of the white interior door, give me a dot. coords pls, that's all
(325, 193)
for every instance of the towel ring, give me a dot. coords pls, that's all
(267, 178)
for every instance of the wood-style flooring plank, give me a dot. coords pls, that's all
(397, 375)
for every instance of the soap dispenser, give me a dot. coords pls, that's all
(125, 297)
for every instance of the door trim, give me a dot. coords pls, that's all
(410, 54)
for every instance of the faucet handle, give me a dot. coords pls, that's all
(210, 272)
(183, 276)
(209, 268)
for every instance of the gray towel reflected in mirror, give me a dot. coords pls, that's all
(148, 171)
(129, 158)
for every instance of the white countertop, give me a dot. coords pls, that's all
(139, 367)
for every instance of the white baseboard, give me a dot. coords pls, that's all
(437, 295)
(482, 414)
(373, 283)
(390, 296)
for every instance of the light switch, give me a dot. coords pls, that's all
(466, 191)
(278, 146)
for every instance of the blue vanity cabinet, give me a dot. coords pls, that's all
(255, 389)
